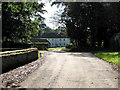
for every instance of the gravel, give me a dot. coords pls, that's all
(12, 78)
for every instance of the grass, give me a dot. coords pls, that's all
(38, 54)
(41, 50)
(62, 48)
(111, 57)
(65, 49)
(55, 48)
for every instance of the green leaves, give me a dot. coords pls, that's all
(17, 23)
(102, 19)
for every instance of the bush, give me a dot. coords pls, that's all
(39, 46)
(115, 41)
(11, 44)
(69, 46)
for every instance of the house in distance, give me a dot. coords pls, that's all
(56, 39)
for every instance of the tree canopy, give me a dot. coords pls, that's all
(21, 20)
(91, 24)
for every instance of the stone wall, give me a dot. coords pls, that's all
(16, 58)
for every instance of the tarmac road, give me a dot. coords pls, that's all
(72, 70)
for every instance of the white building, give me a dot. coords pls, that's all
(55, 39)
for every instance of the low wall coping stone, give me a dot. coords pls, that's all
(6, 53)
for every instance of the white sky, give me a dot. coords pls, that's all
(50, 13)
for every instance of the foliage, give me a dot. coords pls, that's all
(115, 41)
(40, 46)
(66, 49)
(39, 54)
(17, 23)
(11, 44)
(46, 29)
(69, 46)
(55, 48)
(62, 48)
(111, 57)
(91, 24)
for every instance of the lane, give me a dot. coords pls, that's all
(72, 70)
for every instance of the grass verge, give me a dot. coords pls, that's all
(55, 48)
(111, 57)
(62, 48)
(38, 54)
(65, 49)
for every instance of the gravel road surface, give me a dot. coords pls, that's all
(72, 70)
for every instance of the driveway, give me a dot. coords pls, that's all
(72, 70)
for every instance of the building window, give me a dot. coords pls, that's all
(60, 44)
(64, 39)
(64, 43)
(60, 39)
(52, 43)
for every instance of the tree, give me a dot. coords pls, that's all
(17, 23)
(91, 24)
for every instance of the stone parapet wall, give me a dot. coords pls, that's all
(16, 58)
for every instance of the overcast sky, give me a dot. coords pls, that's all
(51, 10)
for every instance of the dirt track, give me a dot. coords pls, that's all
(72, 70)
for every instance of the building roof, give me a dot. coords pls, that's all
(52, 35)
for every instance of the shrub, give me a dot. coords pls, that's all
(39, 46)
(69, 46)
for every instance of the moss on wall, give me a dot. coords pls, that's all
(14, 59)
